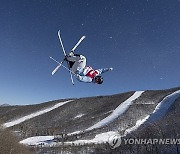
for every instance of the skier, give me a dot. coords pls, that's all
(77, 64)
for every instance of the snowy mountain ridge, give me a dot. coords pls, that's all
(1, 105)
(32, 115)
(157, 113)
(93, 121)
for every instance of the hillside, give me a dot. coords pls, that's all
(89, 124)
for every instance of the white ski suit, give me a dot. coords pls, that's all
(84, 73)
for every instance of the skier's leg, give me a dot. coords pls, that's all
(71, 58)
(79, 65)
(76, 61)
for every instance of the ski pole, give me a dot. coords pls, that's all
(68, 69)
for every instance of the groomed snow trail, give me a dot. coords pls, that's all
(163, 106)
(48, 140)
(35, 114)
(38, 140)
(160, 110)
(117, 112)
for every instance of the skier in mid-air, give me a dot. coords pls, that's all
(77, 64)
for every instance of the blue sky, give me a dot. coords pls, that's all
(139, 39)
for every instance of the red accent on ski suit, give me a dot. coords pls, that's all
(92, 73)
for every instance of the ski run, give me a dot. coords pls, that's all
(33, 115)
(158, 113)
(48, 140)
(117, 112)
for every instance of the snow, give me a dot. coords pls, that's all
(38, 140)
(160, 110)
(79, 116)
(74, 133)
(163, 106)
(48, 140)
(32, 115)
(117, 112)
(137, 125)
(99, 139)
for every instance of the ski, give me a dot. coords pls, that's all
(73, 49)
(60, 64)
(77, 44)
(65, 54)
(56, 69)
(71, 77)
(59, 35)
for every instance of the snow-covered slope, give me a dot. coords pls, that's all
(32, 115)
(162, 108)
(159, 111)
(117, 112)
(48, 140)
(94, 120)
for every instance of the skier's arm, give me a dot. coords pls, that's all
(83, 78)
(103, 70)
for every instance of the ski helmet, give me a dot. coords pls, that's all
(99, 79)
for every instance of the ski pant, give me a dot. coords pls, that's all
(79, 63)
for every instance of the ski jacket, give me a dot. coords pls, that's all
(87, 74)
